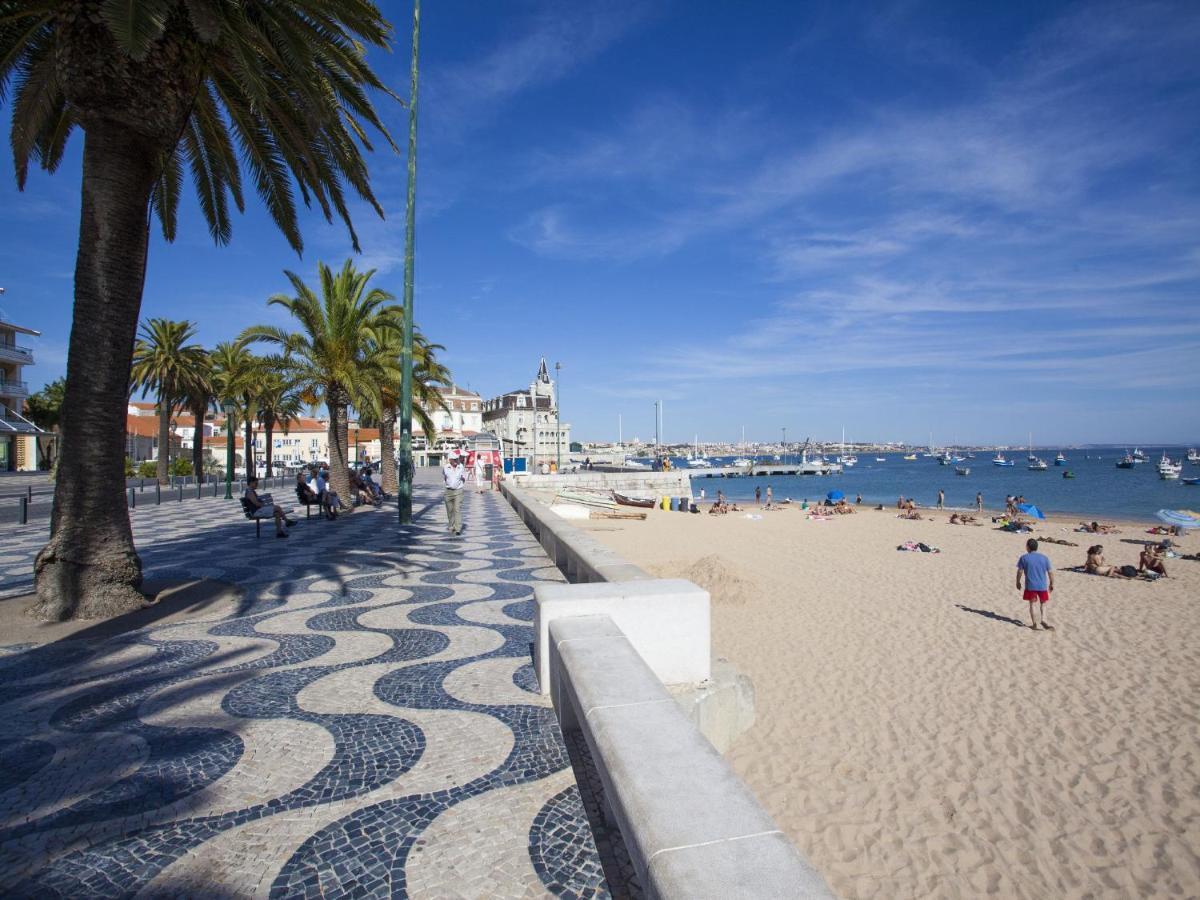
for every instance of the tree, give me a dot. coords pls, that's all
(379, 408)
(44, 409)
(336, 357)
(235, 373)
(158, 86)
(199, 400)
(279, 404)
(165, 363)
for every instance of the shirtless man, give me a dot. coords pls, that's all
(1151, 559)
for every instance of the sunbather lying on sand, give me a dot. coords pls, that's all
(1096, 565)
(1097, 528)
(911, 514)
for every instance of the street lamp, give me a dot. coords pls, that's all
(558, 414)
(230, 409)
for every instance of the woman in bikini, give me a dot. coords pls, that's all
(1096, 565)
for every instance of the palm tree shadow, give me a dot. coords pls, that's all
(988, 614)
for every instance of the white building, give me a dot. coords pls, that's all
(526, 421)
(18, 436)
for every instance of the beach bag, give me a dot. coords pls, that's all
(1129, 571)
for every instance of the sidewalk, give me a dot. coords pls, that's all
(361, 720)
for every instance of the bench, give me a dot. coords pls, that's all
(249, 511)
(307, 499)
(691, 826)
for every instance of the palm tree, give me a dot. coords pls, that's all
(158, 86)
(235, 380)
(165, 363)
(199, 395)
(335, 357)
(279, 404)
(379, 408)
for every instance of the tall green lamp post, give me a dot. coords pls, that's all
(230, 409)
(558, 414)
(404, 494)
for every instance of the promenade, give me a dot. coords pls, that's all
(358, 719)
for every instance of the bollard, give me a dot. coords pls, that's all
(132, 499)
(179, 487)
(29, 492)
(23, 518)
(157, 493)
(199, 488)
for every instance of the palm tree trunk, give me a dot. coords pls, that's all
(339, 457)
(164, 440)
(198, 410)
(387, 452)
(251, 456)
(89, 568)
(268, 428)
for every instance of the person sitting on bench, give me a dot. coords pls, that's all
(266, 510)
(330, 501)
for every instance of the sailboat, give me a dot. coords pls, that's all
(843, 458)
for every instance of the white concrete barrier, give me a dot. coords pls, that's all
(665, 620)
(692, 828)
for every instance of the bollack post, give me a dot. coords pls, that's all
(157, 493)
(132, 499)
(23, 517)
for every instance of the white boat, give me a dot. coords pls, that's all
(631, 463)
(1138, 456)
(742, 462)
(1167, 470)
(881, 459)
(1060, 460)
(961, 470)
(1037, 465)
(699, 462)
(1194, 457)
(999, 460)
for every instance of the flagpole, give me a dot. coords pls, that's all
(405, 492)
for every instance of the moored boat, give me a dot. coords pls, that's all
(1138, 456)
(911, 457)
(1068, 474)
(1167, 470)
(1190, 480)
(961, 470)
(633, 500)
(1037, 465)
(1060, 460)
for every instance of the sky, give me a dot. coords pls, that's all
(974, 221)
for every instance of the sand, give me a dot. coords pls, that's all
(916, 739)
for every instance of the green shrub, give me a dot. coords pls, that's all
(148, 468)
(180, 466)
(129, 469)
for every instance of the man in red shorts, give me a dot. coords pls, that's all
(1039, 582)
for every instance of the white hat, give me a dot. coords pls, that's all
(454, 454)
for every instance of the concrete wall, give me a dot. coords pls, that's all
(662, 484)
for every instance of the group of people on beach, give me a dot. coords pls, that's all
(1149, 560)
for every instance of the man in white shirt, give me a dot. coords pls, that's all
(455, 476)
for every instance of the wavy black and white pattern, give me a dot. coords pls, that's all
(362, 722)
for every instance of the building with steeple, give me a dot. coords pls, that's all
(526, 421)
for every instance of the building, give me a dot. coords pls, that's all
(526, 421)
(18, 436)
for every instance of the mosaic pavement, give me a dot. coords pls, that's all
(364, 724)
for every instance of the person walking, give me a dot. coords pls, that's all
(1038, 575)
(480, 473)
(454, 475)
(978, 501)
(941, 499)
(757, 495)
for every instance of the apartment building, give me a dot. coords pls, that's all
(18, 436)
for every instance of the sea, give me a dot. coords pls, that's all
(1098, 490)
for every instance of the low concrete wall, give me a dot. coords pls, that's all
(662, 484)
(666, 621)
(692, 828)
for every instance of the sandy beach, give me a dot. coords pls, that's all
(916, 738)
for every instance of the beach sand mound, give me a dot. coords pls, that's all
(715, 574)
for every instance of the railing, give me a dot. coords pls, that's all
(17, 354)
(13, 388)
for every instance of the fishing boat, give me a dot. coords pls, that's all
(644, 502)
(961, 470)
(1060, 460)
(1193, 456)
(1068, 474)
(944, 459)
(1037, 465)
(911, 457)
(999, 460)
(970, 456)
(1167, 470)
(1138, 456)
(1126, 461)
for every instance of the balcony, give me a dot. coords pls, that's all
(14, 354)
(13, 389)
(11, 423)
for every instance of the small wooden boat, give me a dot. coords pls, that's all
(633, 500)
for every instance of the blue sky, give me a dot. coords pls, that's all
(895, 218)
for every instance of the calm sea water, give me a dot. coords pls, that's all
(1098, 490)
